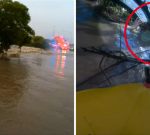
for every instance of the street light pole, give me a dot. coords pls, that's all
(70, 33)
(53, 30)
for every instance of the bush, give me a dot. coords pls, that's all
(39, 42)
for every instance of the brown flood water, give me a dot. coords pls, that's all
(37, 94)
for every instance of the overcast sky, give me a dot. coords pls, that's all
(48, 13)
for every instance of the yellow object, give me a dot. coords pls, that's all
(123, 109)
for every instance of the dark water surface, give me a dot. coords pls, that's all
(94, 30)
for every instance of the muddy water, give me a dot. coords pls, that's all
(36, 94)
(93, 30)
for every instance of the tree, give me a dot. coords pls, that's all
(14, 28)
(40, 42)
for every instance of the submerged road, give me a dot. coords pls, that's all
(37, 94)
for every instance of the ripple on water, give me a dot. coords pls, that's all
(11, 83)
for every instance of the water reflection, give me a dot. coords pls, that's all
(137, 46)
(63, 62)
(53, 61)
(131, 37)
(84, 14)
(60, 73)
(58, 63)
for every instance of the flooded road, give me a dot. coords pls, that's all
(94, 30)
(37, 94)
